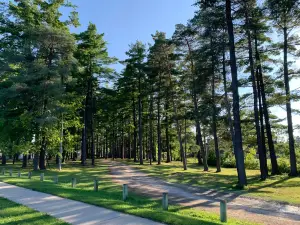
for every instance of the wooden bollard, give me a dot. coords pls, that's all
(223, 211)
(165, 202)
(42, 177)
(73, 182)
(125, 192)
(3, 171)
(96, 184)
(55, 179)
(29, 175)
(10, 172)
(19, 174)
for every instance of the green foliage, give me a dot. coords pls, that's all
(251, 160)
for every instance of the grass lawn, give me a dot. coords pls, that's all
(12, 213)
(278, 188)
(109, 195)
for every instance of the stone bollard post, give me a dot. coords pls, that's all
(165, 203)
(73, 182)
(125, 191)
(10, 172)
(3, 171)
(29, 175)
(19, 174)
(96, 184)
(223, 211)
(55, 179)
(42, 177)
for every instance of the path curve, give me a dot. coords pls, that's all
(242, 208)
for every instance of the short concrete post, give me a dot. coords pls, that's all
(10, 172)
(165, 203)
(96, 184)
(3, 171)
(42, 177)
(73, 182)
(19, 174)
(125, 192)
(223, 211)
(29, 175)
(55, 179)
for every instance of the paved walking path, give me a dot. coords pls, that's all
(242, 208)
(70, 211)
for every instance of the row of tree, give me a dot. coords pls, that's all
(57, 88)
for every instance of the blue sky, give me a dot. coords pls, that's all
(125, 21)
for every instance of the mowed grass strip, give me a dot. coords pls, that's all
(12, 213)
(109, 194)
(281, 188)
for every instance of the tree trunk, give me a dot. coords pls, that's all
(140, 123)
(134, 130)
(146, 147)
(106, 144)
(123, 143)
(178, 127)
(3, 161)
(25, 159)
(151, 130)
(238, 143)
(92, 123)
(167, 132)
(158, 127)
(84, 134)
(228, 106)
(214, 128)
(64, 154)
(273, 157)
(261, 148)
(113, 149)
(36, 162)
(214, 116)
(293, 162)
(199, 140)
(185, 137)
(42, 163)
(129, 144)
(93, 147)
(98, 147)
(262, 128)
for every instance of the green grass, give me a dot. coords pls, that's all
(281, 188)
(12, 213)
(109, 195)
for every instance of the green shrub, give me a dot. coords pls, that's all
(229, 162)
(211, 159)
(251, 161)
(283, 165)
(252, 164)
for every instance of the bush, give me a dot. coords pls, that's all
(229, 162)
(211, 159)
(252, 164)
(283, 165)
(251, 161)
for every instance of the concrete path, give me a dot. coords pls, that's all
(239, 207)
(70, 211)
